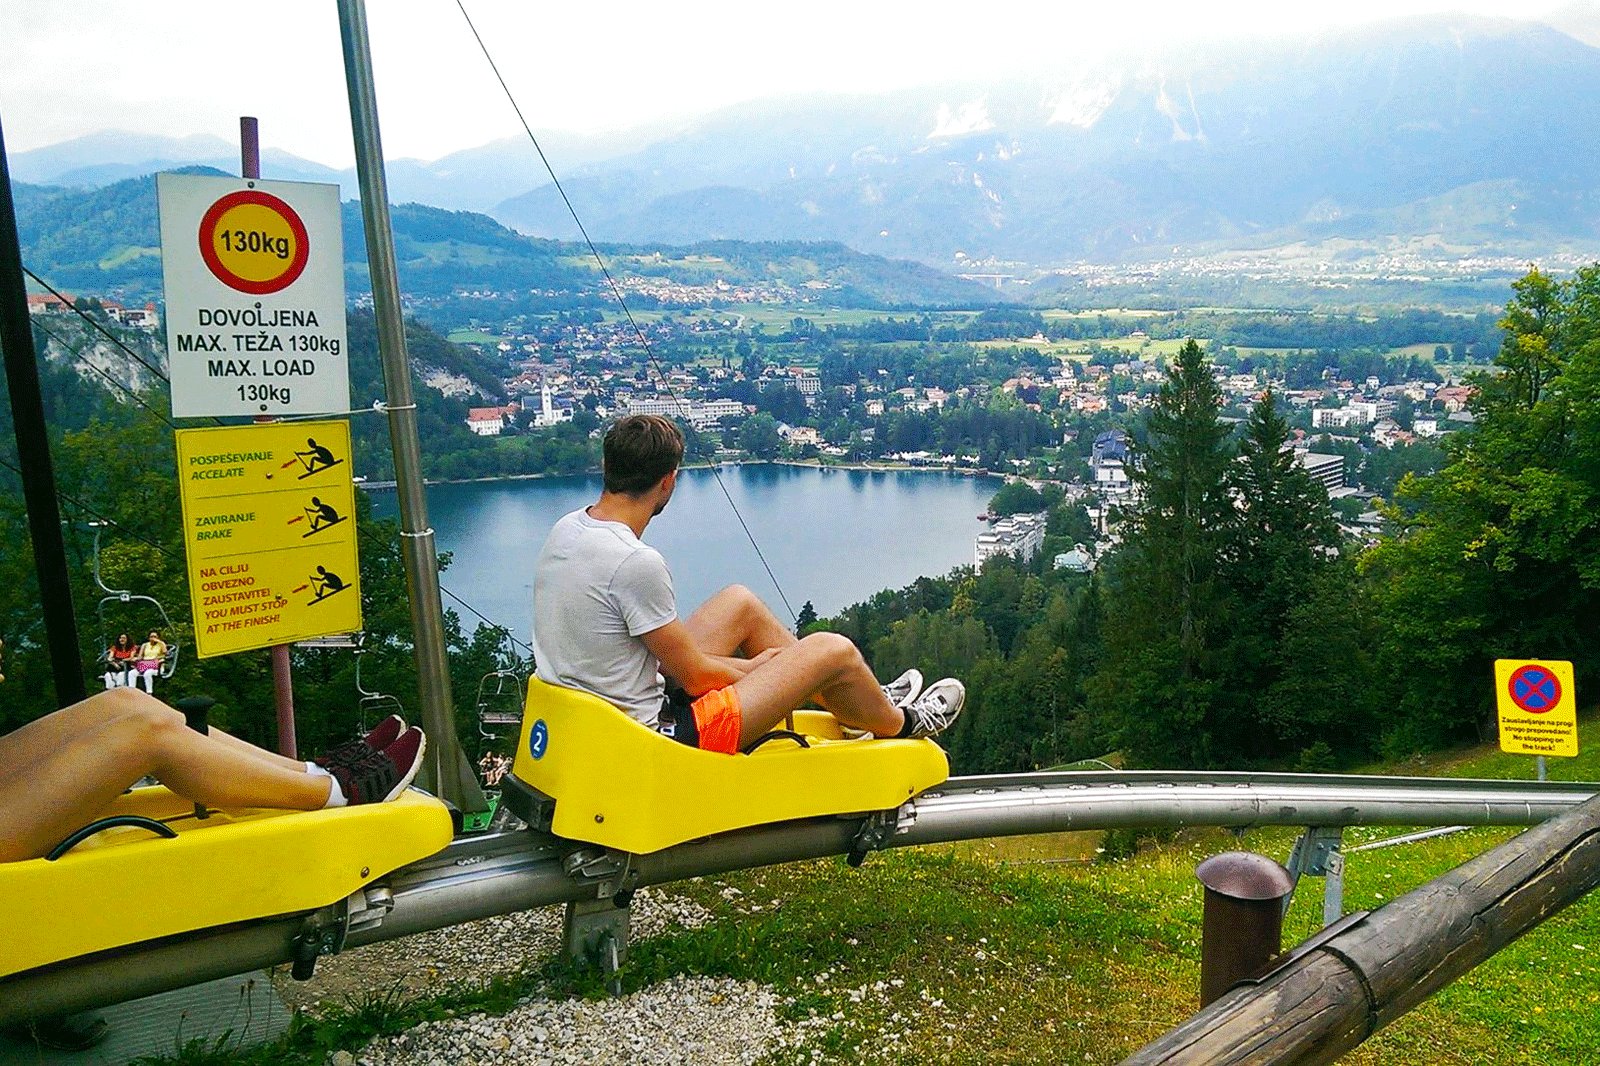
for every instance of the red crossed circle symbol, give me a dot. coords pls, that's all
(1534, 688)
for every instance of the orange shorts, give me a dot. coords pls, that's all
(718, 720)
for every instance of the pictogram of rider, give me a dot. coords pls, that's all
(322, 515)
(315, 458)
(325, 583)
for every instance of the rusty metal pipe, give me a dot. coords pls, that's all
(1242, 926)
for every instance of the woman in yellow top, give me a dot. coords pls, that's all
(152, 653)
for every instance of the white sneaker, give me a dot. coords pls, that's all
(904, 689)
(937, 707)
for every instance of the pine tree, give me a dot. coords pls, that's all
(1282, 541)
(1159, 686)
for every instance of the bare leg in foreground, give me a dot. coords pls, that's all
(60, 771)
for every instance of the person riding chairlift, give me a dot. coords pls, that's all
(152, 653)
(120, 658)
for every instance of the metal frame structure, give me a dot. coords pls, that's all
(445, 769)
(512, 870)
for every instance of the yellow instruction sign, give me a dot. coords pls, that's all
(1538, 706)
(269, 527)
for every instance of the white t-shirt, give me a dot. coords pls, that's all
(596, 588)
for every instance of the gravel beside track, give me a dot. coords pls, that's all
(472, 952)
(680, 1020)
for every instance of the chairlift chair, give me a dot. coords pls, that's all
(121, 596)
(499, 702)
(372, 706)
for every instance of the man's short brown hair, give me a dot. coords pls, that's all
(639, 451)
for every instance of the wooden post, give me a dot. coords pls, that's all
(282, 672)
(1337, 990)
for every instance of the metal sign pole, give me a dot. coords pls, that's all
(447, 771)
(282, 673)
(33, 451)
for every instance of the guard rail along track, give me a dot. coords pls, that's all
(500, 873)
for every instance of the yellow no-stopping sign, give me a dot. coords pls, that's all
(1538, 706)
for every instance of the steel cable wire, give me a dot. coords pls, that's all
(616, 293)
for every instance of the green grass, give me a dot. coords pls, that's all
(128, 255)
(471, 336)
(1032, 950)
(1058, 314)
(777, 317)
(1275, 352)
(1424, 351)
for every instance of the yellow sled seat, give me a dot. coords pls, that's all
(622, 785)
(126, 885)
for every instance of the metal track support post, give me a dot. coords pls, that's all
(33, 453)
(598, 929)
(1316, 854)
(446, 771)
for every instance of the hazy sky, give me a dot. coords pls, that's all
(177, 67)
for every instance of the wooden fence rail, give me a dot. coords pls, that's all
(1341, 987)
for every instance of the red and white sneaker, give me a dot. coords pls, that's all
(383, 734)
(381, 776)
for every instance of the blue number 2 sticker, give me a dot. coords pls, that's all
(538, 739)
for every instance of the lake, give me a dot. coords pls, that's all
(833, 537)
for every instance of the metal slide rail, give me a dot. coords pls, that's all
(504, 872)
(1017, 804)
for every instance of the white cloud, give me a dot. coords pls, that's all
(70, 67)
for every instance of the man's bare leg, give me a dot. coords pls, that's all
(735, 620)
(44, 799)
(827, 666)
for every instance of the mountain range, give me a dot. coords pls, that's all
(1474, 133)
(106, 241)
(1457, 136)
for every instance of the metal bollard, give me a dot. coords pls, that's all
(1242, 928)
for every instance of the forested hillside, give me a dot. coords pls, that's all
(1231, 629)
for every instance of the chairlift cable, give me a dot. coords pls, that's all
(95, 514)
(485, 619)
(99, 328)
(616, 292)
(78, 354)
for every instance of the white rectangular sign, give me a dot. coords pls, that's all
(254, 278)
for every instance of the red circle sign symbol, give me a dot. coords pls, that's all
(253, 242)
(1534, 689)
